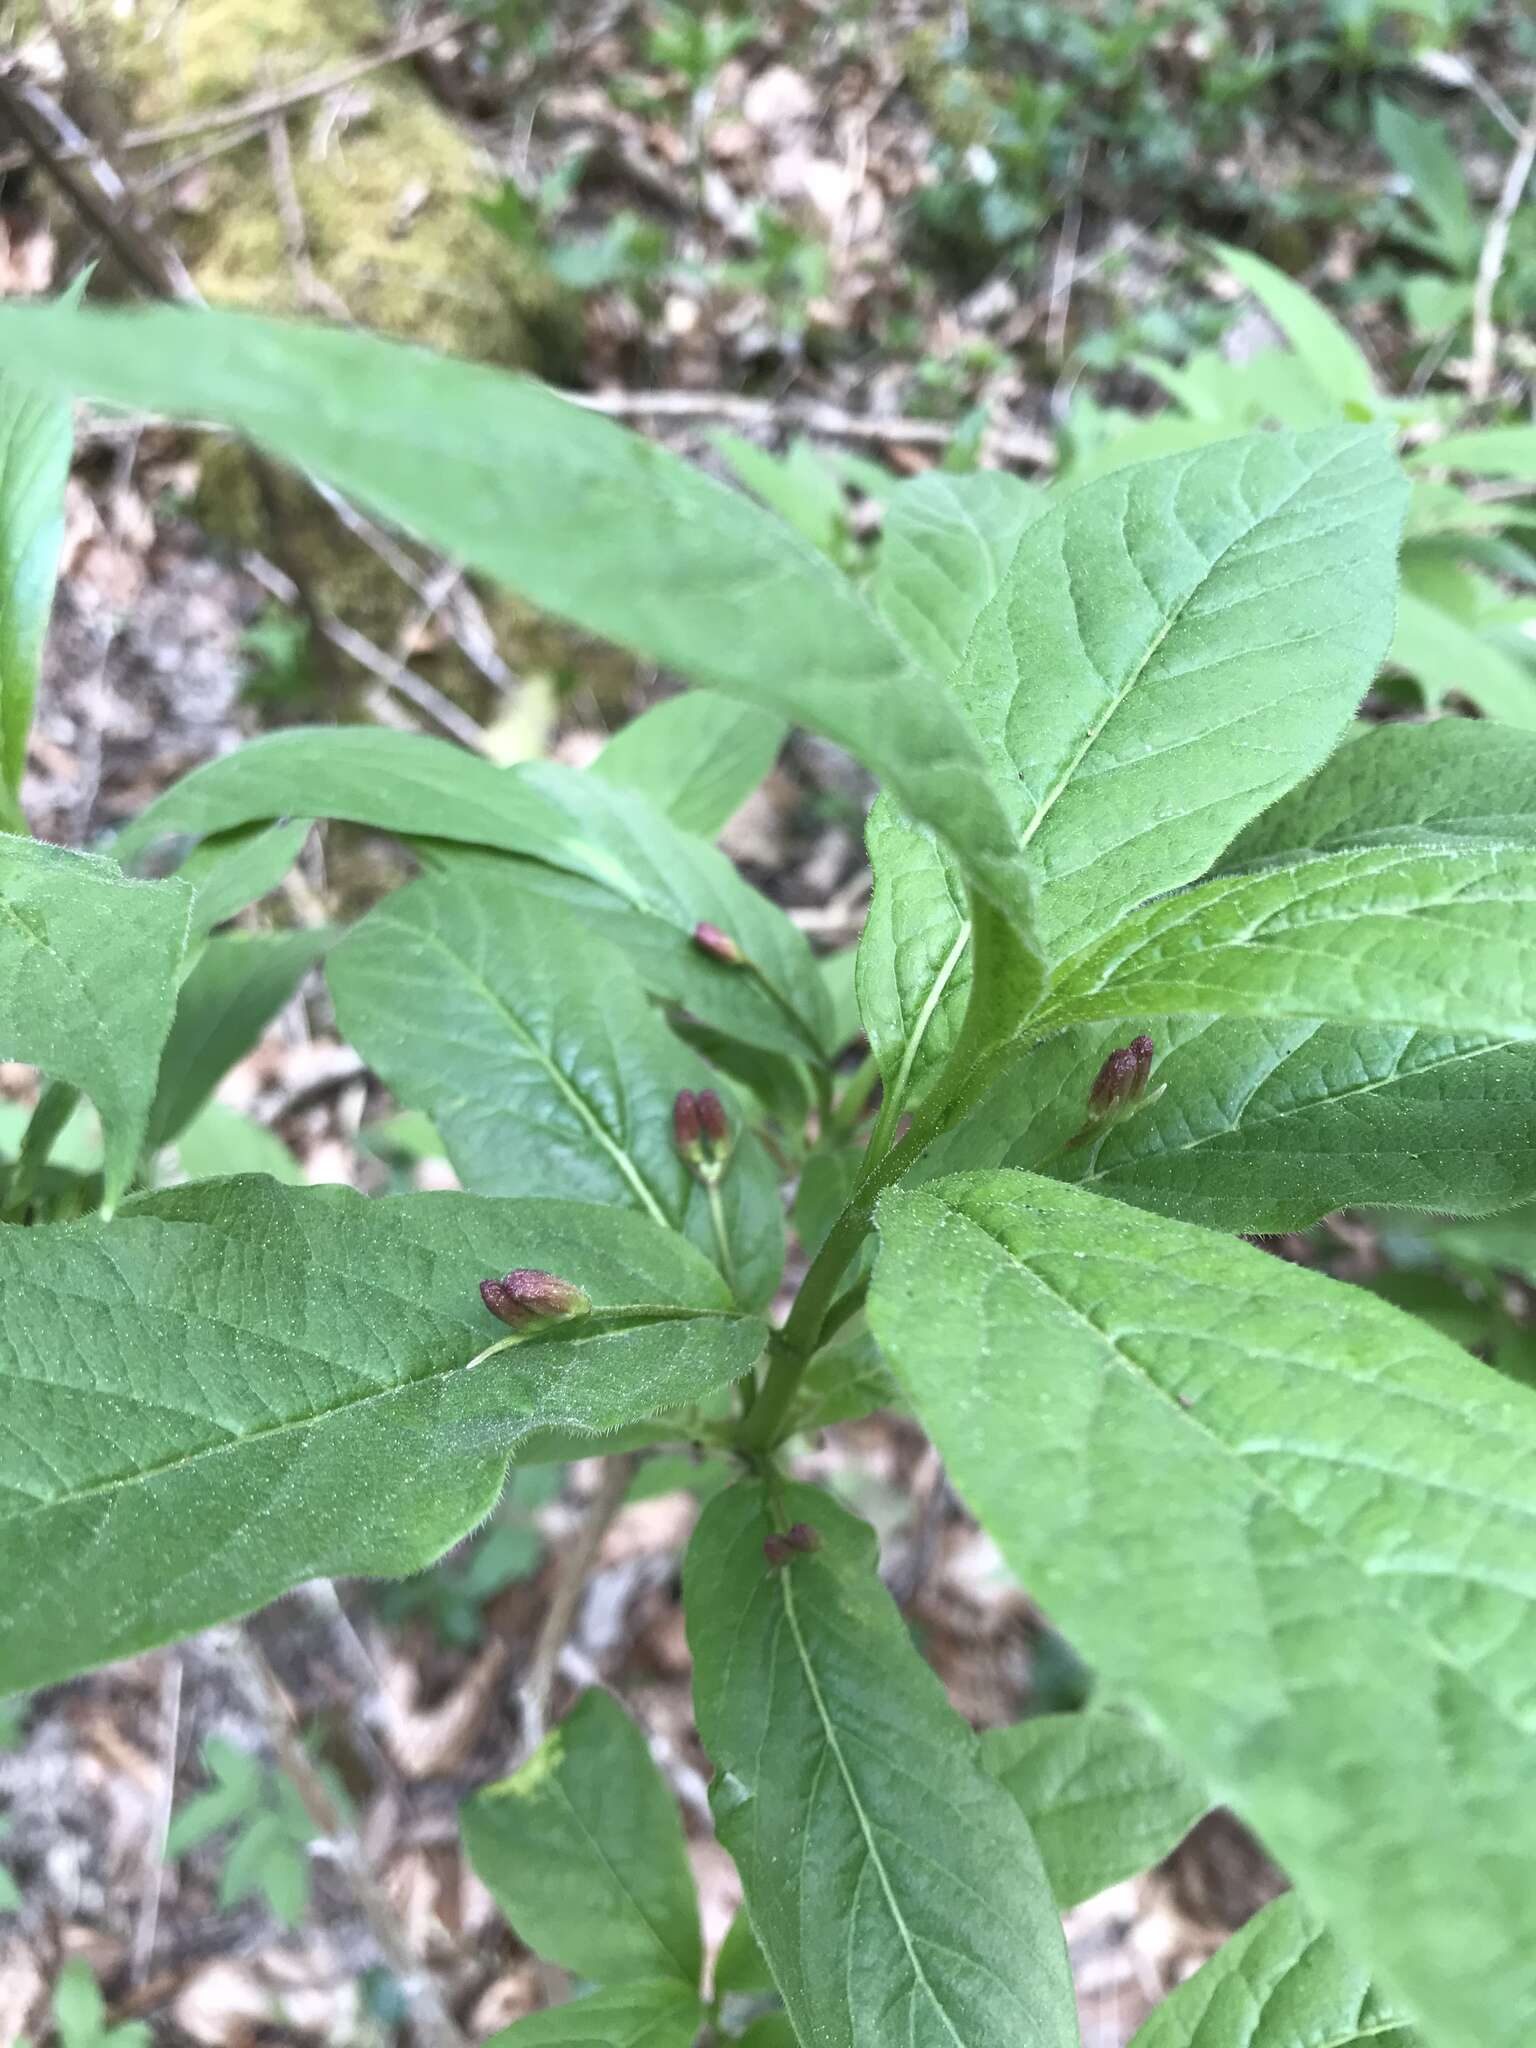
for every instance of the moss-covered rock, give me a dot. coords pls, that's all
(384, 177)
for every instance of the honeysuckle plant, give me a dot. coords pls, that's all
(1165, 951)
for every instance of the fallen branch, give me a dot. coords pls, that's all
(1013, 444)
(572, 1570)
(427, 2013)
(1490, 263)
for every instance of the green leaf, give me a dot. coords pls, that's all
(583, 1850)
(240, 982)
(1103, 1798)
(773, 2030)
(234, 869)
(236, 1386)
(1282, 1982)
(1417, 936)
(590, 522)
(219, 1140)
(659, 2014)
(1139, 681)
(1455, 782)
(1322, 344)
(1443, 654)
(88, 973)
(800, 487)
(892, 1884)
(914, 961)
(606, 851)
(741, 1965)
(945, 548)
(1420, 151)
(696, 757)
(35, 443)
(1484, 451)
(541, 1061)
(1290, 1523)
(1265, 1126)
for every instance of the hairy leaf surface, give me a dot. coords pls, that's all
(657, 2013)
(1435, 940)
(1280, 1982)
(1265, 1126)
(892, 1883)
(583, 1851)
(235, 1386)
(696, 757)
(1104, 1799)
(88, 972)
(1292, 1523)
(608, 852)
(1139, 681)
(945, 546)
(540, 1060)
(593, 523)
(1455, 782)
(914, 966)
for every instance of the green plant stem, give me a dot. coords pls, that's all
(791, 1348)
(722, 1235)
(54, 1108)
(854, 1100)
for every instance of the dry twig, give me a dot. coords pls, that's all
(572, 1570)
(1012, 444)
(148, 1923)
(313, 290)
(429, 2018)
(1490, 263)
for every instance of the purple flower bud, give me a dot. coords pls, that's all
(526, 1298)
(701, 1132)
(1144, 1050)
(718, 945)
(688, 1125)
(778, 1550)
(1113, 1084)
(1118, 1086)
(802, 1537)
(713, 1121)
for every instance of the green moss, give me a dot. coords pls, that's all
(385, 180)
(383, 176)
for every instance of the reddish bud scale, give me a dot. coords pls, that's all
(687, 1124)
(799, 1540)
(712, 1119)
(526, 1297)
(701, 1132)
(718, 945)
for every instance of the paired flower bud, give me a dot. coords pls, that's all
(1119, 1087)
(800, 1539)
(718, 945)
(525, 1299)
(1122, 1079)
(701, 1132)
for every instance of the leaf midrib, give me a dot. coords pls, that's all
(632, 1898)
(1096, 731)
(835, 1749)
(568, 1335)
(621, 1158)
(1244, 1122)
